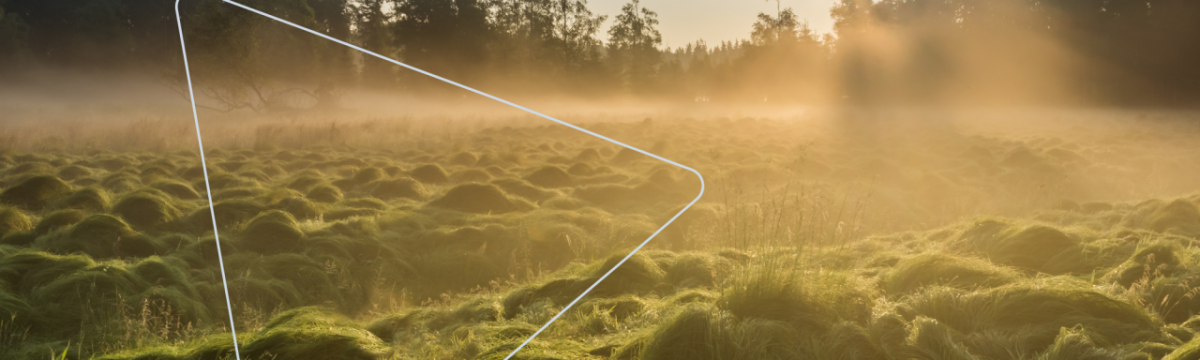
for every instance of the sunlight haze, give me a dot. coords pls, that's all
(682, 22)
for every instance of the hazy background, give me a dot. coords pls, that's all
(714, 21)
(1122, 53)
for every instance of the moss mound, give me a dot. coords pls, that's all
(581, 169)
(72, 172)
(301, 208)
(304, 182)
(523, 189)
(625, 156)
(640, 274)
(306, 334)
(471, 175)
(1036, 247)
(1178, 216)
(915, 272)
(104, 236)
(35, 193)
(31, 168)
(120, 182)
(369, 174)
(87, 199)
(430, 174)
(477, 199)
(13, 220)
(696, 332)
(325, 194)
(1038, 311)
(404, 188)
(146, 210)
(550, 177)
(271, 232)
(229, 213)
(366, 203)
(588, 155)
(178, 189)
(58, 219)
(696, 270)
(464, 159)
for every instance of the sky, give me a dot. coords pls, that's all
(685, 21)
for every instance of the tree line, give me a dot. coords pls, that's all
(1118, 52)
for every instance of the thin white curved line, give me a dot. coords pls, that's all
(464, 87)
(208, 189)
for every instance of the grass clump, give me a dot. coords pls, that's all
(773, 291)
(103, 236)
(58, 219)
(13, 220)
(146, 209)
(1035, 313)
(177, 189)
(35, 193)
(550, 177)
(697, 332)
(404, 188)
(325, 193)
(305, 334)
(87, 199)
(1035, 247)
(1158, 259)
(477, 199)
(915, 272)
(430, 174)
(230, 213)
(1178, 216)
(72, 172)
(271, 232)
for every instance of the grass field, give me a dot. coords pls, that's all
(899, 235)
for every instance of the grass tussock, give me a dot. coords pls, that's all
(461, 245)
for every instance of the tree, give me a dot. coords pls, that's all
(782, 60)
(549, 44)
(14, 34)
(333, 18)
(445, 37)
(241, 60)
(633, 46)
(372, 34)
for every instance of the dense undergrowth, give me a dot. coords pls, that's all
(967, 247)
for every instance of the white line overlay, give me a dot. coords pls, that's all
(464, 87)
(212, 211)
